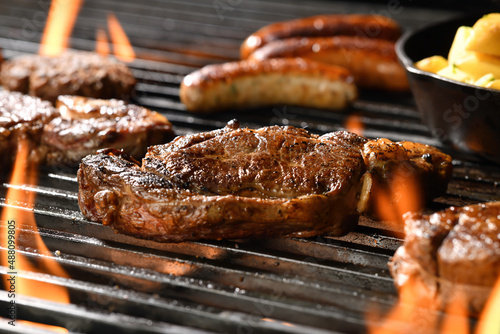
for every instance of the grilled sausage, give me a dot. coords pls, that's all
(372, 62)
(251, 83)
(368, 26)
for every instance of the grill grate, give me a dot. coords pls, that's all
(122, 284)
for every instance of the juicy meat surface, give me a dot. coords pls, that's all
(77, 127)
(229, 183)
(455, 249)
(72, 73)
(86, 125)
(22, 117)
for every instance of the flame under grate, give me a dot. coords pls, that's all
(122, 284)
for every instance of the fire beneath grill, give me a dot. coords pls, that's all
(121, 284)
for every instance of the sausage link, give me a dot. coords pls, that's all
(372, 62)
(251, 83)
(367, 26)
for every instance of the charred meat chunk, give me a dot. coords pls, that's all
(77, 127)
(22, 117)
(230, 183)
(454, 253)
(72, 73)
(86, 125)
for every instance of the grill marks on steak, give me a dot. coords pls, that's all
(230, 183)
(457, 249)
(72, 73)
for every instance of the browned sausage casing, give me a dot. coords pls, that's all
(251, 83)
(372, 62)
(368, 26)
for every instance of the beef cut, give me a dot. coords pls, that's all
(22, 117)
(451, 253)
(77, 127)
(86, 125)
(237, 183)
(71, 73)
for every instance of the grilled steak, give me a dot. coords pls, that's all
(451, 252)
(22, 117)
(86, 125)
(72, 73)
(80, 126)
(231, 183)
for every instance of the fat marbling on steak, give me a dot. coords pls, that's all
(451, 252)
(238, 182)
(71, 73)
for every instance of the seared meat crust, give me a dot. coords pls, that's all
(87, 125)
(229, 183)
(72, 73)
(22, 117)
(450, 252)
(78, 127)
(255, 186)
(401, 163)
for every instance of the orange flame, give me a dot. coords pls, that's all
(401, 196)
(489, 321)
(354, 124)
(25, 172)
(457, 324)
(121, 45)
(102, 44)
(60, 22)
(409, 312)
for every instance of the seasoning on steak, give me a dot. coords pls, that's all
(451, 252)
(72, 73)
(232, 183)
(86, 125)
(22, 117)
(80, 126)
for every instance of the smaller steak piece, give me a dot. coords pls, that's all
(393, 163)
(22, 117)
(87, 125)
(237, 183)
(72, 73)
(453, 251)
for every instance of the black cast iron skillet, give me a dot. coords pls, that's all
(466, 116)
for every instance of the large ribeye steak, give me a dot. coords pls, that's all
(238, 182)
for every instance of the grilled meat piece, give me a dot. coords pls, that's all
(22, 117)
(409, 166)
(230, 183)
(452, 252)
(72, 73)
(87, 125)
(78, 127)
